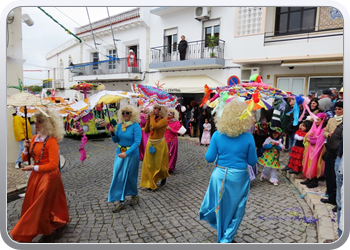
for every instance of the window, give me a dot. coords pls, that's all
(170, 40)
(112, 64)
(211, 28)
(295, 20)
(319, 83)
(292, 84)
(95, 59)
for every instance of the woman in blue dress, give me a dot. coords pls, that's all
(126, 164)
(224, 203)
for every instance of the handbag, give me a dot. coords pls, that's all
(182, 130)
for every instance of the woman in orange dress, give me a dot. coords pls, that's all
(44, 209)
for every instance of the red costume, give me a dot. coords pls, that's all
(296, 156)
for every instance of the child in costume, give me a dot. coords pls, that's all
(270, 157)
(313, 164)
(206, 133)
(260, 135)
(296, 156)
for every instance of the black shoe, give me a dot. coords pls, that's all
(335, 209)
(291, 171)
(285, 168)
(307, 181)
(327, 201)
(312, 185)
(163, 182)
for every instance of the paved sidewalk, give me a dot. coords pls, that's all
(326, 225)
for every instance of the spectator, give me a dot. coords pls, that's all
(202, 116)
(332, 133)
(126, 164)
(182, 48)
(314, 108)
(341, 94)
(188, 117)
(194, 118)
(325, 106)
(131, 61)
(21, 131)
(311, 95)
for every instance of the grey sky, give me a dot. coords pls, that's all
(45, 35)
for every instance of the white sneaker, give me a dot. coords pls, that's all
(261, 178)
(17, 165)
(275, 183)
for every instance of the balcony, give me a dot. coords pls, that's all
(198, 55)
(106, 70)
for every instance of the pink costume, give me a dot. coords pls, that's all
(144, 138)
(172, 142)
(313, 164)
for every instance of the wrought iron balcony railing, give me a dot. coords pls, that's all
(195, 50)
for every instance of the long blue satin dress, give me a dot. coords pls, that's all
(125, 171)
(223, 206)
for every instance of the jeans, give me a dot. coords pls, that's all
(291, 140)
(21, 148)
(339, 181)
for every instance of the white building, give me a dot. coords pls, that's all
(295, 49)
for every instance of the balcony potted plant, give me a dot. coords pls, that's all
(212, 43)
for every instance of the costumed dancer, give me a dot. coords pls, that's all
(126, 163)
(270, 157)
(171, 138)
(206, 133)
(296, 156)
(143, 120)
(224, 203)
(156, 159)
(44, 209)
(313, 164)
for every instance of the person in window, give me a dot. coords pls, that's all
(131, 60)
(224, 203)
(44, 209)
(126, 164)
(182, 48)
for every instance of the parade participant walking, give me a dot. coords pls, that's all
(126, 164)
(206, 133)
(224, 203)
(44, 209)
(156, 159)
(296, 156)
(171, 137)
(313, 164)
(270, 158)
(144, 139)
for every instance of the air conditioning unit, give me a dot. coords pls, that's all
(246, 73)
(201, 13)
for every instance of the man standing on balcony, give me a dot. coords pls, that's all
(182, 48)
(131, 61)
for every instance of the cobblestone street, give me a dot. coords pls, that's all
(170, 214)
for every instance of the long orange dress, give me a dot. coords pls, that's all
(44, 207)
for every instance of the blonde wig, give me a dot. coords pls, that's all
(52, 125)
(176, 113)
(229, 122)
(135, 113)
(163, 112)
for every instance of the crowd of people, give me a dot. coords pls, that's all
(311, 134)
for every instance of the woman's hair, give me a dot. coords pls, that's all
(229, 122)
(194, 103)
(338, 104)
(52, 125)
(307, 125)
(135, 113)
(176, 113)
(314, 100)
(163, 111)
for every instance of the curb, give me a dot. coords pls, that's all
(324, 223)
